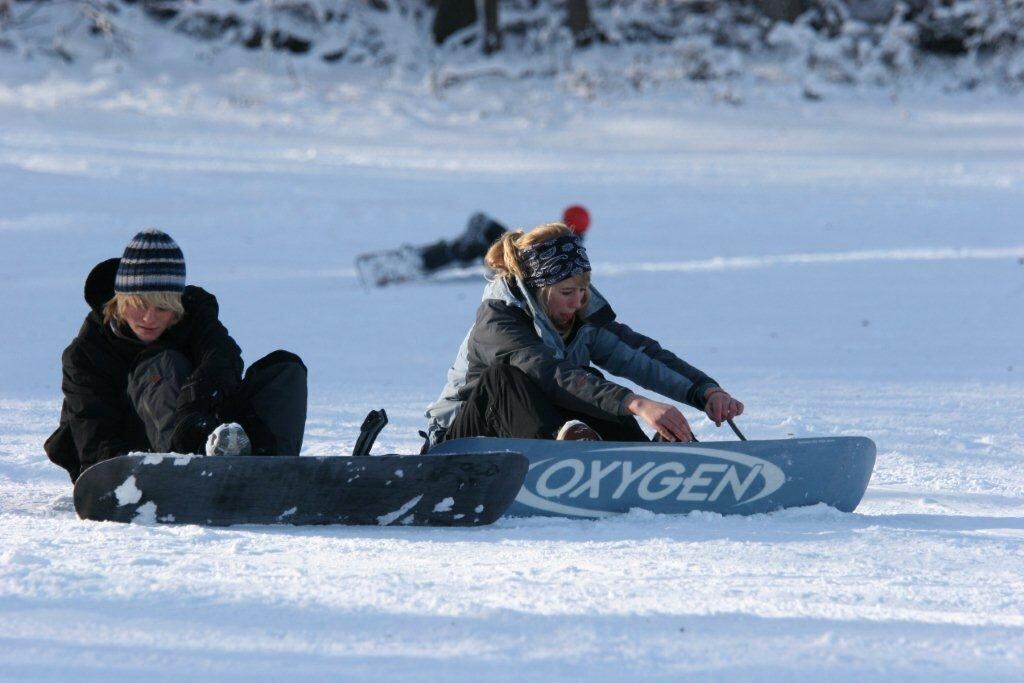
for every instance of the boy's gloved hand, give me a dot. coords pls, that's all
(195, 416)
(199, 394)
(191, 432)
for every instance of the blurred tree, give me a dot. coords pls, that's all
(453, 16)
(492, 34)
(582, 27)
(871, 11)
(784, 10)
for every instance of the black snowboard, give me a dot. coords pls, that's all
(417, 490)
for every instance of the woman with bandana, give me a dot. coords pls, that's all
(524, 370)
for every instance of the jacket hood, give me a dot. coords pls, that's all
(99, 284)
(516, 293)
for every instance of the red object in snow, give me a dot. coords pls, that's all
(577, 218)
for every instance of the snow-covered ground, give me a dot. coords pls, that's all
(852, 266)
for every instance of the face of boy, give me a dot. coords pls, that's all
(148, 322)
(563, 300)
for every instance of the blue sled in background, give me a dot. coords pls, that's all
(590, 479)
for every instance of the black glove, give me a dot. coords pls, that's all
(199, 395)
(195, 416)
(191, 431)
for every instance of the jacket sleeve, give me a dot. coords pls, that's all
(641, 359)
(95, 405)
(217, 357)
(505, 334)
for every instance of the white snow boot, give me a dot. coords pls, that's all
(228, 439)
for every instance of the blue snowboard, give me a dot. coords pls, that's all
(601, 478)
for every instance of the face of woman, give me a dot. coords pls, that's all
(148, 322)
(564, 299)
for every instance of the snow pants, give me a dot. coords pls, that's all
(506, 402)
(270, 404)
(467, 248)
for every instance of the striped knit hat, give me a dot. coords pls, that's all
(152, 262)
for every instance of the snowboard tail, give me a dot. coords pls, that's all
(390, 267)
(601, 478)
(456, 490)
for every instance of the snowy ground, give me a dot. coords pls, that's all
(846, 267)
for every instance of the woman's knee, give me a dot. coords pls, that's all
(502, 375)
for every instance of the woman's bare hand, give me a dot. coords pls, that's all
(666, 419)
(721, 406)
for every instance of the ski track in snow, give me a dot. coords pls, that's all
(849, 269)
(719, 263)
(612, 269)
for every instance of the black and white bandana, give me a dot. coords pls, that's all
(550, 262)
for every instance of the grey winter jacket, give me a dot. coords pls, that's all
(512, 329)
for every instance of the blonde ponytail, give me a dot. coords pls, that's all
(503, 256)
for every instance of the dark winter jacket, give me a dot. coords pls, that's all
(97, 419)
(512, 329)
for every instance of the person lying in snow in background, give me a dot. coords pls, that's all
(481, 232)
(410, 263)
(524, 371)
(153, 370)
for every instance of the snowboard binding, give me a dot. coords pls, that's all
(373, 424)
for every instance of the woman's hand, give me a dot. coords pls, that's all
(721, 406)
(663, 417)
